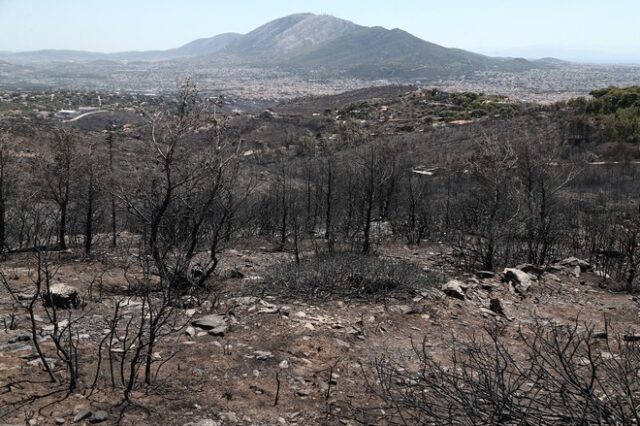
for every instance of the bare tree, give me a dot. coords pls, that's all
(179, 198)
(4, 160)
(58, 175)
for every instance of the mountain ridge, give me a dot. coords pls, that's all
(307, 42)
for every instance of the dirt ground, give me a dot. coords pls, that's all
(280, 362)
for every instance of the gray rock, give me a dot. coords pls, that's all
(219, 331)
(555, 268)
(455, 289)
(81, 415)
(99, 416)
(20, 338)
(24, 297)
(403, 309)
(520, 280)
(571, 262)
(38, 362)
(263, 355)
(210, 322)
(268, 309)
(576, 271)
(61, 296)
(243, 301)
(531, 269)
(15, 347)
(203, 422)
(499, 307)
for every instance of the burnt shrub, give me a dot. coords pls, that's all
(550, 374)
(347, 276)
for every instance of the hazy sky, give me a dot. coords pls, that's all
(605, 30)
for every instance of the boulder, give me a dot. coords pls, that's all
(455, 289)
(531, 269)
(61, 296)
(214, 323)
(520, 280)
(499, 307)
(572, 262)
(575, 271)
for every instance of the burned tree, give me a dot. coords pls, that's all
(178, 197)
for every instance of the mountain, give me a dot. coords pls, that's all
(308, 42)
(370, 51)
(290, 35)
(200, 47)
(52, 55)
(304, 43)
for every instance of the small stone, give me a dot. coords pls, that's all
(243, 301)
(59, 421)
(455, 289)
(263, 355)
(269, 309)
(284, 364)
(402, 309)
(203, 422)
(81, 415)
(190, 331)
(99, 416)
(20, 338)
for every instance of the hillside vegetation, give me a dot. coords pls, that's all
(615, 110)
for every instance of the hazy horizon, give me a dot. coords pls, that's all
(581, 31)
